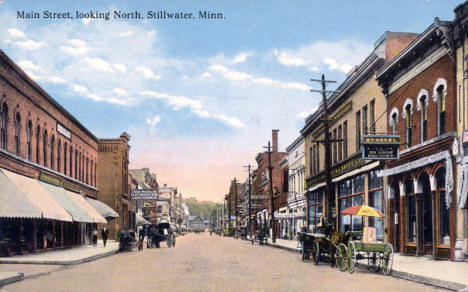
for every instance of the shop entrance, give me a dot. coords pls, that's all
(427, 217)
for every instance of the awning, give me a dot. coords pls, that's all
(357, 171)
(140, 220)
(102, 208)
(83, 204)
(311, 189)
(40, 197)
(60, 194)
(14, 204)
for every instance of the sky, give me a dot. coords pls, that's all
(199, 97)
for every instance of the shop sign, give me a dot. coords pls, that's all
(144, 194)
(71, 186)
(64, 131)
(381, 147)
(47, 178)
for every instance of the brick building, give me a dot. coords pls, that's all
(263, 181)
(354, 110)
(234, 202)
(113, 157)
(146, 180)
(44, 151)
(420, 86)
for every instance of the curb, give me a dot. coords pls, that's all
(72, 262)
(399, 274)
(12, 279)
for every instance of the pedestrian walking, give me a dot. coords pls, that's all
(104, 235)
(94, 236)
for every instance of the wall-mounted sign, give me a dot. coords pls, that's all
(144, 194)
(50, 179)
(381, 147)
(64, 131)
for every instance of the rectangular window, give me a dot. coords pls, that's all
(372, 116)
(317, 158)
(315, 208)
(348, 197)
(365, 128)
(335, 154)
(411, 218)
(311, 159)
(358, 131)
(345, 139)
(340, 143)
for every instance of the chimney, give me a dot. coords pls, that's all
(274, 137)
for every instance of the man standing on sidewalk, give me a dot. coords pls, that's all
(104, 234)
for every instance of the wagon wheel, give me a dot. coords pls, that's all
(374, 261)
(169, 241)
(317, 253)
(351, 257)
(387, 260)
(341, 257)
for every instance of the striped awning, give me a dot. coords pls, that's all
(39, 196)
(14, 203)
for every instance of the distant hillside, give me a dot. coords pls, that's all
(203, 209)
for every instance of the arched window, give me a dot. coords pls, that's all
(71, 161)
(76, 164)
(95, 171)
(59, 154)
(29, 138)
(17, 133)
(87, 168)
(408, 125)
(38, 143)
(91, 173)
(65, 149)
(52, 152)
(44, 148)
(79, 167)
(4, 126)
(423, 118)
(394, 123)
(440, 110)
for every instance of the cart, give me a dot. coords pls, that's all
(379, 256)
(315, 244)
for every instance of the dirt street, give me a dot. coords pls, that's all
(201, 262)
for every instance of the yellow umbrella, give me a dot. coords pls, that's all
(362, 210)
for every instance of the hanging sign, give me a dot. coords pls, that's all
(144, 194)
(381, 147)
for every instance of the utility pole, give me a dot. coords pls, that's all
(250, 206)
(329, 194)
(235, 201)
(272, 200)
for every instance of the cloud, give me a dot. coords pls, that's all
(242, 76)
(120, 68)
(205, 75)
(16, 33)
(29, 44)
(80, 89)
(98, 64)
(153, 121)
(28, 66)
(303, 115)
(86, 21)
(126, 33)
(185, 77)
(77, 47)
(340, 55)
(56, 80)
(242, 57)
(147, 73)
(120, 91)
(195, 106)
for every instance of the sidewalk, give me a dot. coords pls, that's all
(68, 256)
(17, 268)
(446, 274)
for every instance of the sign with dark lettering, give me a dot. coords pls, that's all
(381, 147)
(144, 194)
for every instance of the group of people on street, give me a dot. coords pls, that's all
(104, 235)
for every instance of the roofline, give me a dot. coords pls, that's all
(430, 29)
(25, 77)
(295, 143)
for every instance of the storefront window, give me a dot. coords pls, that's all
(411, 211)
(376, 201)
(444, 213)
(315, 208)
(350, 194)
